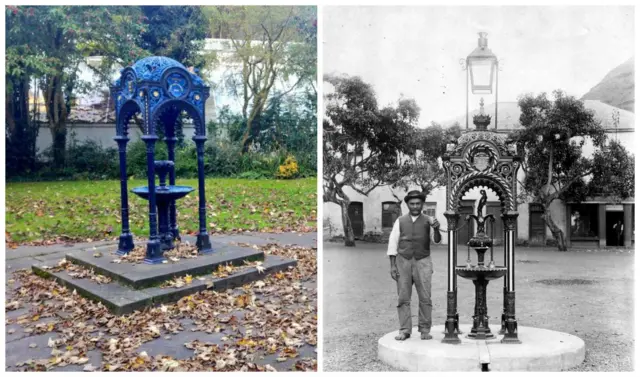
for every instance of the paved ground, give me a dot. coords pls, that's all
(21, 346)
(585, 293)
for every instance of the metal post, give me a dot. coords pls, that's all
(173, 222)
(491, 263)
(503, 320)
(497, 69)
(154, 253)
(125, 244)
(467, 113)
(203, 243)
(468, 238)
(451, 335)
(511, 333)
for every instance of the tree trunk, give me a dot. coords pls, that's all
(558, 234)
(349, 237)
(57, 116)
(59, 137)
(22, 132)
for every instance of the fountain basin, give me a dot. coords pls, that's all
(481, 273)
(164, 193)
(165, 196)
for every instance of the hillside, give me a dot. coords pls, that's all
(616, 88)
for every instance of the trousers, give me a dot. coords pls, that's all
(419, 273)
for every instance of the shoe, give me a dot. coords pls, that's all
(425, 336)
(403, 336)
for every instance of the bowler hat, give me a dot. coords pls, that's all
(415, 194)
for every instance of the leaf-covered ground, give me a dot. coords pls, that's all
(51, 212)
(270, 324)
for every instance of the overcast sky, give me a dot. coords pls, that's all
(415, 51)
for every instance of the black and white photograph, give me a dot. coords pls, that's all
(478, 188)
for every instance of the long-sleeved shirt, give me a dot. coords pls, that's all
(394, 237)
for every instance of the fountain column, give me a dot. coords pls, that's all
(125, 244)
(173, 223)
(202, 242)
(511, 324)
(503, 318)
(154, 253)
(451, 335)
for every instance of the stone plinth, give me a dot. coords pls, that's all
(136, 286)
(541, 350)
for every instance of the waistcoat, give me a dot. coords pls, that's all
(414, 237)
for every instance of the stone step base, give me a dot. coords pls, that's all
(123, 299)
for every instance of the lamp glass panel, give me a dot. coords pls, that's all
(481, 75)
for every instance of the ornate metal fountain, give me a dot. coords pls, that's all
(159, 90)
(481, 158)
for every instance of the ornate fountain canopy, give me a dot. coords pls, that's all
(481, 157)
(157, 86)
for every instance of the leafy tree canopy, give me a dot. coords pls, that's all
(271, 44)
(551, 141)
(613, 172)
(178, 32)
(363, 145)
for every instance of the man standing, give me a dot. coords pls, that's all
(411, 264)
(618, 229)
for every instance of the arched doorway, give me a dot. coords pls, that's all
(357, 219)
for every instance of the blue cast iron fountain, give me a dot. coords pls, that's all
(160, 91)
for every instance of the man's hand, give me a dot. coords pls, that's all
(394, 269)
(436, 227)
(394, 273)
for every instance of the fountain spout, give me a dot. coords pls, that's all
(163, 168)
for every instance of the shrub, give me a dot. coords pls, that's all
(137, 157)
(90, 160)
(221, 160)
(289, 169)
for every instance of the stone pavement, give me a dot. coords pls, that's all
(21, 346)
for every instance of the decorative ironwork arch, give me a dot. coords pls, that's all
(168, 112)
(481, 158)
(472, 181)
(127, 111)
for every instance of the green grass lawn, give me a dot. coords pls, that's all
(90, 210)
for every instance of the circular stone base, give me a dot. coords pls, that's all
(540, 350)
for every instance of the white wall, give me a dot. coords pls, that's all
(625, 137)
(102, 133)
